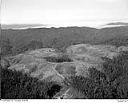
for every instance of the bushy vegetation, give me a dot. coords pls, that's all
(15, 85)
(110, 83)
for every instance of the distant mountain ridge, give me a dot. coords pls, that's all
(118, 23)
(30, 26)
(21, 26)
(113, 24)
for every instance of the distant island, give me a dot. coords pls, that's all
(21, 26)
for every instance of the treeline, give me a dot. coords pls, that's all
(15, 85)
(116, 42)
(8, 47)
(110, 83)
(32, 45)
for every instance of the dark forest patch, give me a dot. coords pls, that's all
(15, 85)
(60, 59)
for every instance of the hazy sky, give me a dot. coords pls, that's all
(63, 12)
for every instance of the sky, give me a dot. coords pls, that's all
(64, 12)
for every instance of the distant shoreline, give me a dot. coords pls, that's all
(34, 27)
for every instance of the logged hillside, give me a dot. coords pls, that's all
(109, 83)
(60, 38)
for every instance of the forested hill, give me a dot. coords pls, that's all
(61, 38)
